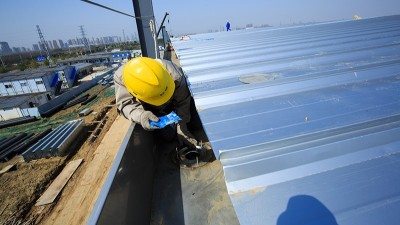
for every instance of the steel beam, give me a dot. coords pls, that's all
(146, 27)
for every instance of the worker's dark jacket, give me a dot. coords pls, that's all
(131, 109)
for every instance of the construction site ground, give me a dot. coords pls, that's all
(198, 195)
(24, 182)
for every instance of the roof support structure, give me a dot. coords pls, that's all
(145, 22)
(146, 27)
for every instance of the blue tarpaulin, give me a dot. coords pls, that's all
(55, 79)
(73, 73)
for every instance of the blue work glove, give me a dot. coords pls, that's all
(145, 119)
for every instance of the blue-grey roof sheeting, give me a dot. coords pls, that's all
(305, 120)
(87, 57)
(14, 101)
(83, 65)
(29, 73)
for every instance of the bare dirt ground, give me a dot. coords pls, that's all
(26, 181)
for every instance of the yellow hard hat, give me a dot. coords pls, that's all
(148, 80)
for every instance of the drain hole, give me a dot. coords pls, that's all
(191, 155)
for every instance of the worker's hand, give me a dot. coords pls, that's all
(185, 136)
(145, 118)
(207, 145)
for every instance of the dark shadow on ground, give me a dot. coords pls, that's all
(306, 210)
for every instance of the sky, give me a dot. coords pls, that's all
(61, 19)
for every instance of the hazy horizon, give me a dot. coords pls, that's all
(62, 19)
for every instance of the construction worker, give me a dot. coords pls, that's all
(147, 89)
(228, 26)
(168, 52)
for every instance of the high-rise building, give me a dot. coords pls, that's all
(35, 47)
(55, 44)
(5, 48)
(15, 49)
(80, 41)
(50, 45)
(41, 47)
(115, 39)
(108, 40)
(62, 45)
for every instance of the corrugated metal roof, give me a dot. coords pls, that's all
(29, 73)
(14, 101)
(305, 120)
(87, 57)
(97, 55)
(83, 65)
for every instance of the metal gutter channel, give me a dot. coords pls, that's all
(106, 189)
(144, 186)
(305, 120)
(127, 195)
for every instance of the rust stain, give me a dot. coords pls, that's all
(257, 190)
(244, 194)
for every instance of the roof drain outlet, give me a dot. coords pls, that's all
(191, 157)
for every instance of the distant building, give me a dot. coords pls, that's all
(110, 40)
(249, 26)
(96, 59)
(23, 91)
(41, 47)
(35, 47)
(41, 80)
(55, 44)
(80, 41)
(20, 106)
(50, 45)
(62, 45)
(5, 48)
(99, 59)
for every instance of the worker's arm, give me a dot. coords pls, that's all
(128, 106)
(181, 102)
(181, 97)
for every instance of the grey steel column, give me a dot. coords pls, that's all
(165, 36)
(144, 14)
